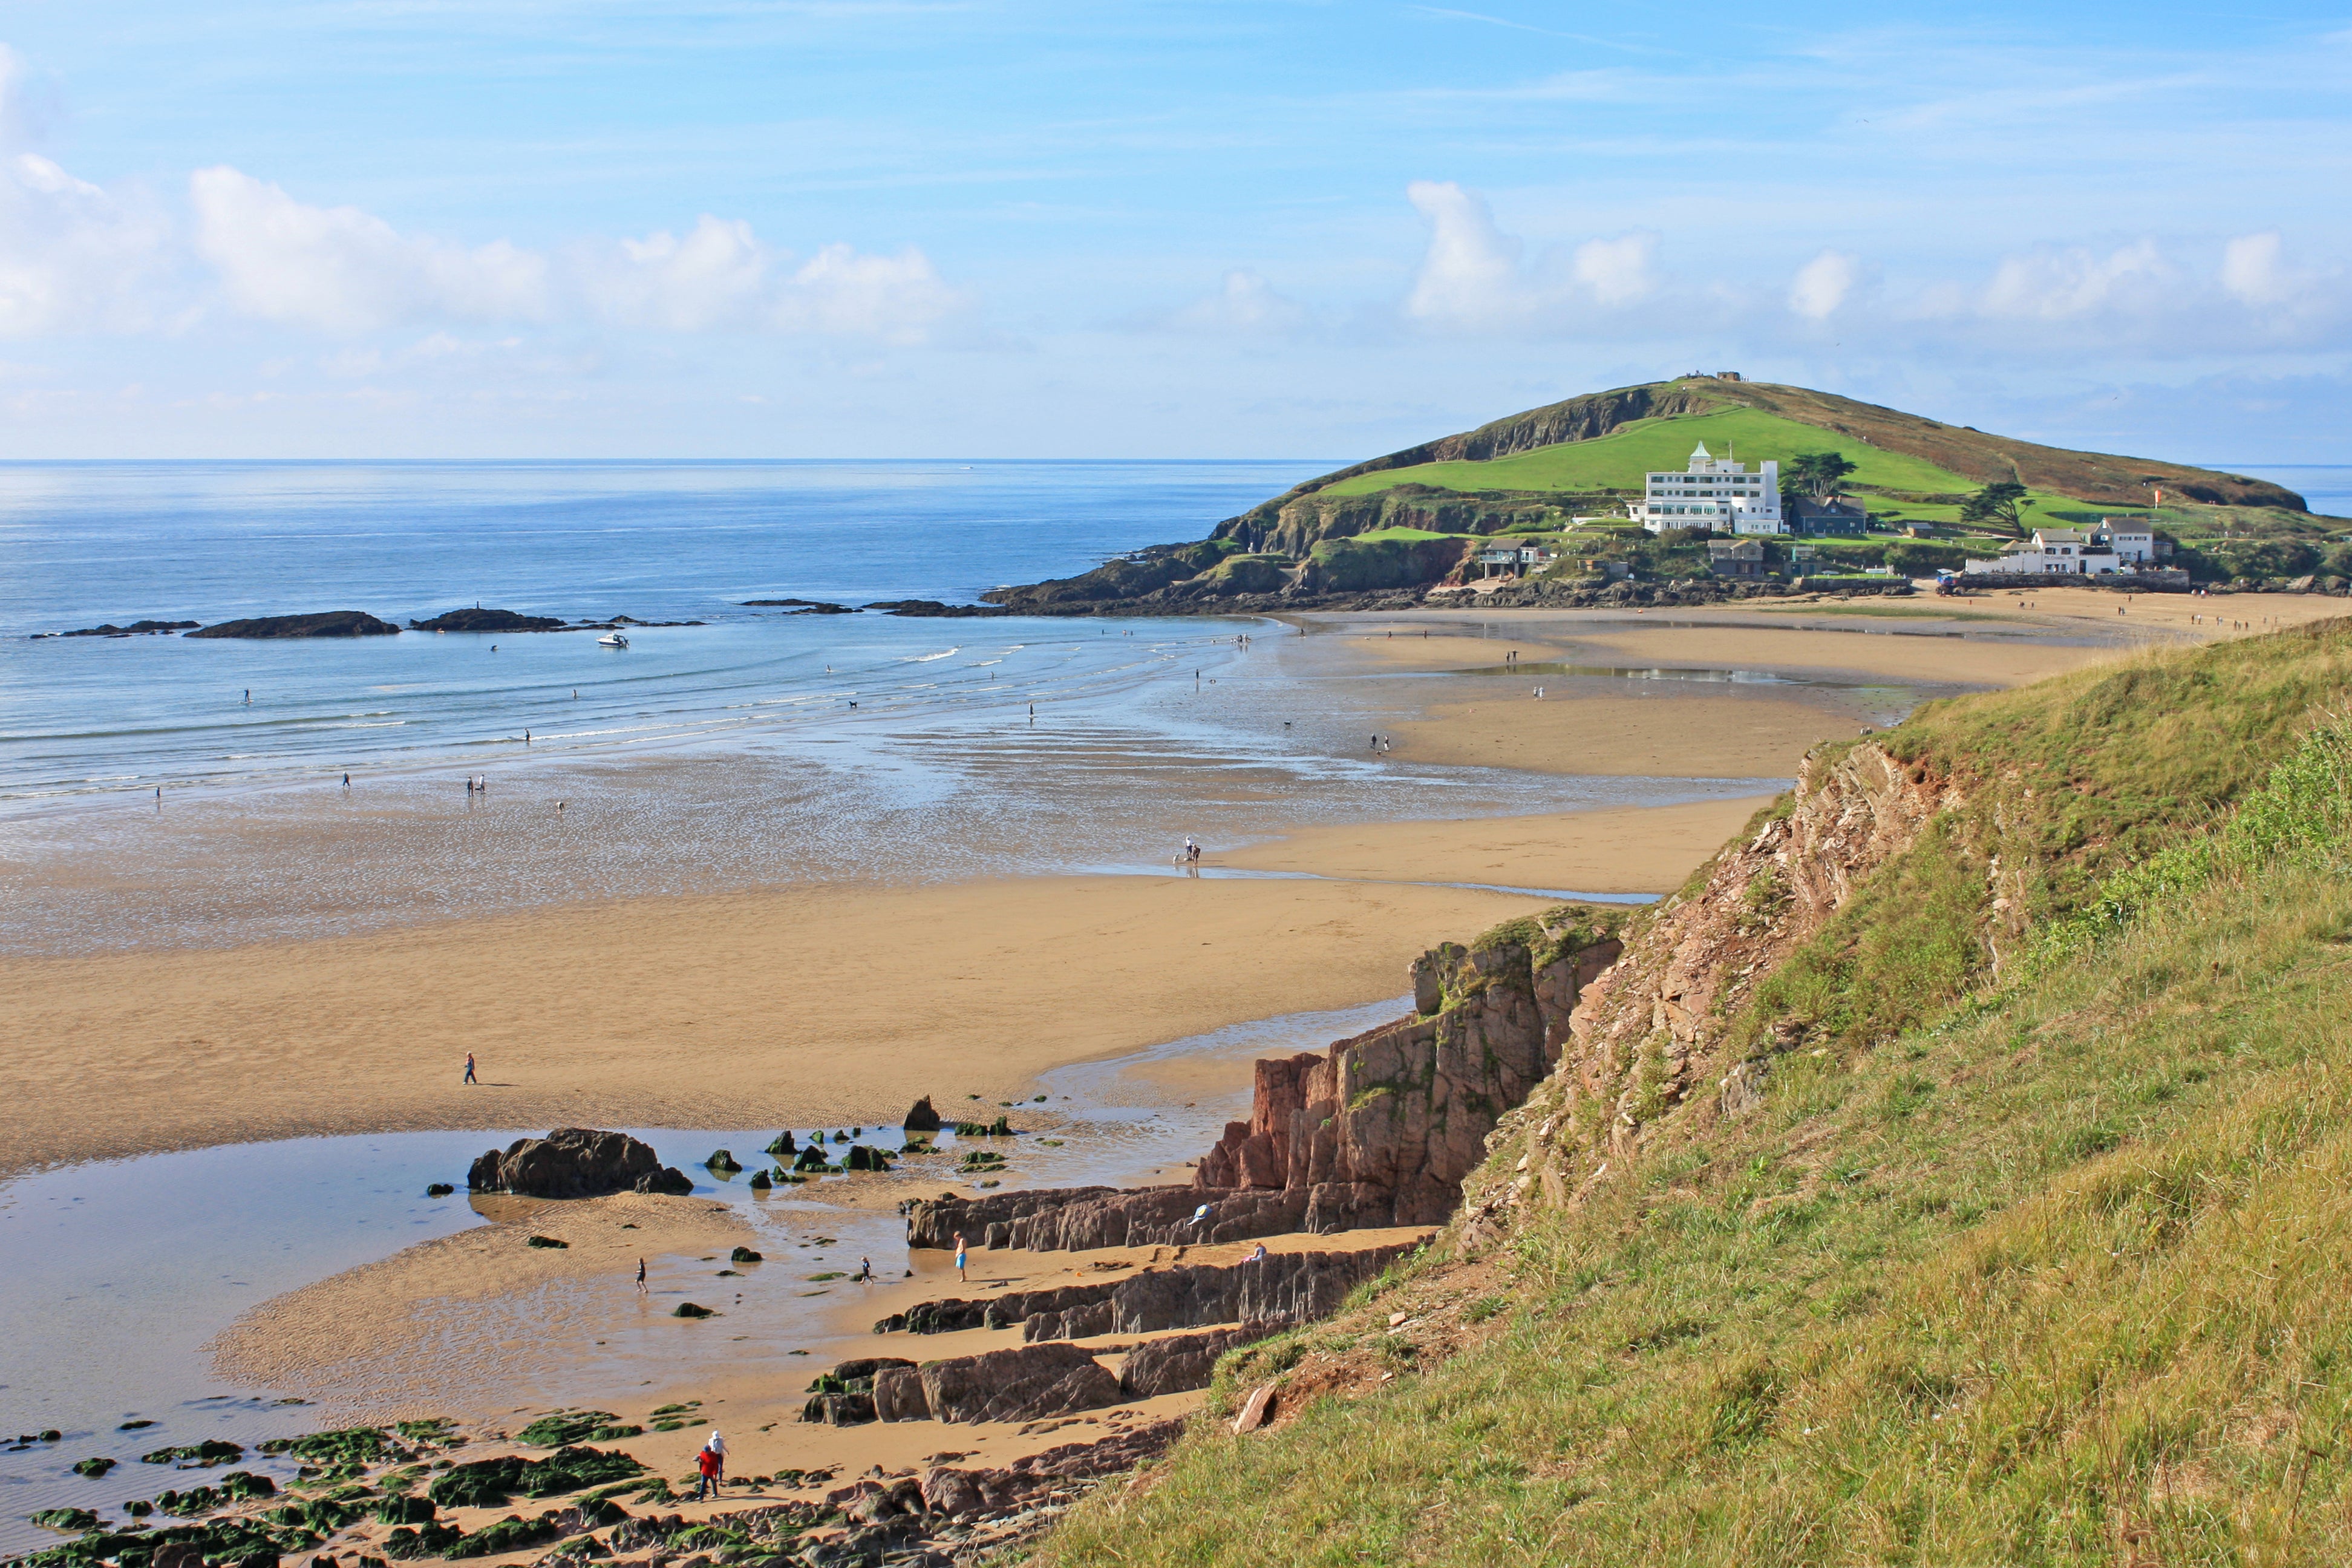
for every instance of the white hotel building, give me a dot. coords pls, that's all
(1714, 493)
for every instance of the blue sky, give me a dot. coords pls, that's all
(738, 228)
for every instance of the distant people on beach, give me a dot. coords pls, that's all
(960, 1258)
(864, 1270)
(347, 781)
(1257, 1257)
(641, 1277)
(469, 1069)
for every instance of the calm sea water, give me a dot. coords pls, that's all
(83, 544)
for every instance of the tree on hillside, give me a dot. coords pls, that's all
(1996, 503)
(1820, 474)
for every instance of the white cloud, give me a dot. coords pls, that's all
(2249, 270)
(897, 298)
(713, 277)
(2053, 284)
(72, 256)
(1618, 272)
(1472, 276)
(344, 270)
(1822, 284)
(1245, 305)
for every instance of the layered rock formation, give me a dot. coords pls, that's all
(1282, 1287)
(1181, 1363)
(575, 1162)
(1377, 1131)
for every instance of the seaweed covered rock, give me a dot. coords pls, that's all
(490, 1483)
(575, 1162)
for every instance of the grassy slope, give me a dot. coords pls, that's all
(1619, 459)
(2047, 1274)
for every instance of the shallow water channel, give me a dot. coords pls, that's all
(121, 1272)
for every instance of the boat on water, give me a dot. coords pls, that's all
(612, 639)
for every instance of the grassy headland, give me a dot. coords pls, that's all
(2031, 1248)
(1564, 473)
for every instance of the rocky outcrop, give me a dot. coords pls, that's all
(1282, 1287)
(1377, 1131)
(323, 624)
(1381, 1129)
(920, 1117)
(1020, 1383)
(1181, 1363)
(964, 1496)
(135, 630)
(474, 618)
(954, 1315)
(575, 1162)
(1082, 1218)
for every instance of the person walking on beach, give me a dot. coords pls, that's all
(347, 781)
(706, 1463)
(864, 1270)
(469, 1069)
(959, 1259)
(641, 1277)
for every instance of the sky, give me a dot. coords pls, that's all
(1214, 228)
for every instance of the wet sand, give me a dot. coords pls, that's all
(1627, 849)
(791, 1007)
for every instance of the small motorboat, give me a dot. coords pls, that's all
(612, 639)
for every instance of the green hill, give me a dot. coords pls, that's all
(1616, 462)
(1998, 1211)
(1536, 473)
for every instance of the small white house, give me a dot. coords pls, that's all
(2051, 552)
(2132, 541)
(1712, 493)
(1515, 556)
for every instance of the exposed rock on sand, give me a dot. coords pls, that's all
(1020, 1382)
(1181, 1363)
(575, 1162)
(922, 1118)
(322, 624)
(1282, 1287)
(1378, 1131)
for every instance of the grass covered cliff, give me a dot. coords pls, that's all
(1959, 1170)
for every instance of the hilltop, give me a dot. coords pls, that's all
(1953, 1171)
(1560, 476)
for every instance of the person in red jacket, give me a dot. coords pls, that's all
(708, 1462)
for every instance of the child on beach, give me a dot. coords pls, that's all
(641, 1277)
(960, 1258)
